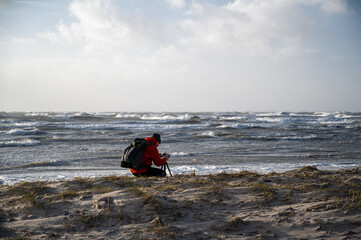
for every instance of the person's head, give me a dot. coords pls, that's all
(157, 137)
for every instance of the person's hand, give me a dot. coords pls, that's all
(167, 157)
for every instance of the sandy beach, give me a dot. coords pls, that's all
(301, 204)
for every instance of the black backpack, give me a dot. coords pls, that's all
(132, 156)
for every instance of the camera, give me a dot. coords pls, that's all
(163, 154)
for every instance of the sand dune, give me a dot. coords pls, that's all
(301, 204)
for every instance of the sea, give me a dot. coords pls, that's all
(51, 146)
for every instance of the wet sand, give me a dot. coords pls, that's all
(301, 204)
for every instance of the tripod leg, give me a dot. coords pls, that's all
(169, 170)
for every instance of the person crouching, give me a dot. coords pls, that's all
(150, 156)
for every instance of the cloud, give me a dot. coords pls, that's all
(261, 27)
(255, 27)
(271, 29)
(331, 6)
(176, 3)
(101, 22)
(237, 55)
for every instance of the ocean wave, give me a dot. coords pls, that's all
(232, 118)
(92, 126)
(252, 126)
(37, 164)
(345, 165)
(208, 134)
(24, 132)
(19, 143)
(302, 114)
(272, 119)
(183, 122)
(259, 168)
(214, 169)
(356, 127)
(67, 115)
(62, 116)
(272, 114)
(303, 138)
(92, 115)
(37, 114)
(7, 121)
(323, 114)
(127, 115)
(28, 124)
(335, 115)
(166, 117)
(228, 126)
(181, 154)
(312, 137)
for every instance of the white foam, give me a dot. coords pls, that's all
(232, 118)
(207, 134)
(164, 116)
(308, 137)
(270, 114)
(224, 126)
(64, 175)
(334, 116)
(263, 168)
(127, 115)
(62, 116)
(37, 114)
(91, 126)
(323, 114)
(22, 132)
(16, 131)
(27, 124)
(90, 114)
(183, 154)
(270, 119)
(19, 143)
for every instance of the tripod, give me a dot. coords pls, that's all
(165, 167)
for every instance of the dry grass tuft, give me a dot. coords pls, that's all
(100, 189)
(351, 199)
(148, 198)
(30, 192)
(68, 194)
(234, 224)
(309, 169)
(265, 191)
(88, 220)
(248, 174)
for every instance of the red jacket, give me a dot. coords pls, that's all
(150, 155)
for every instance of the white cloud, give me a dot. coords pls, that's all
(176, 3)
(274, 29)
(100, 22)
(260, 27)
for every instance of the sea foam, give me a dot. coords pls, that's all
(19, 143)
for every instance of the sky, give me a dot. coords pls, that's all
(180, 55)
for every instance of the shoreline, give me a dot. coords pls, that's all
(50, 172)
(305, 203)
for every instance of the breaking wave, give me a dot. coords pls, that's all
(19, 143)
